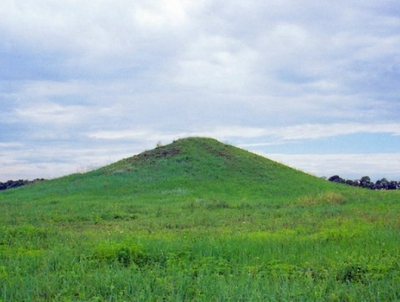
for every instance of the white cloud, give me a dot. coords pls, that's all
(51, 114)
(10, 145)
(162, 15)
(44, 90)
(302, 132)
(87, 33)
(119, 134)
(216, 63)
(316, 131)
(279, 135)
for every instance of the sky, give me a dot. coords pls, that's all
(312, 84)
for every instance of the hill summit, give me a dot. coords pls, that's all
(195, 162)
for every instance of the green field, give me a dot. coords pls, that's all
(198, 220)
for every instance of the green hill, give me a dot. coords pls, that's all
(217, 167)
(196, 166)
(198, 220)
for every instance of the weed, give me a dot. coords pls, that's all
(353, 273)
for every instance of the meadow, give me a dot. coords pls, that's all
(198, 220)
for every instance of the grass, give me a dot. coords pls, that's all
(198, 220)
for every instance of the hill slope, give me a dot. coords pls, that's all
(196, 167)
(203, 162)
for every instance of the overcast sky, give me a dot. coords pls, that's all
(313, 84)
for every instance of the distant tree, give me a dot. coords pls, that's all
(337, 178)
(10, 184)
(393, 185)
(365, 182)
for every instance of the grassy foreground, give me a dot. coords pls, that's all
(198, 220)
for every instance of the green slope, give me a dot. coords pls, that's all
(204, 165)
(198, 220)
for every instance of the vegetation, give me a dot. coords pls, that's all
(198, 220)
(17, 183)
(365, 182)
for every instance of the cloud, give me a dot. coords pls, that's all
(50, 114)
(257, 136)
(217, 64)
(9, 145)
(316, 131)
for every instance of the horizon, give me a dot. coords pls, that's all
(310, 84)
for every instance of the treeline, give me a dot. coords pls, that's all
(365, 182)
(17, 183)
